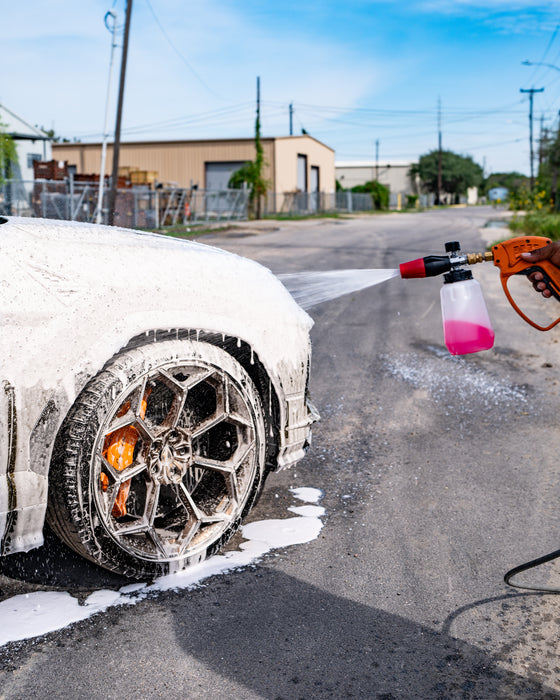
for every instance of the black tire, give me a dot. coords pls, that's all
(181, 423)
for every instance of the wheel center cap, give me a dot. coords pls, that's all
(170, 456)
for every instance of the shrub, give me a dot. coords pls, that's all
(379, 193)
(537, 224)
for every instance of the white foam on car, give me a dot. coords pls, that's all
(34, 614)
(74, 294)
(81, 291)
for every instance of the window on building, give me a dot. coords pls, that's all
(315, 184)
(31, 158)
(302, 173)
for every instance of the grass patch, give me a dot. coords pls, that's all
(537, 224)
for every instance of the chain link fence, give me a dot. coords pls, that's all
(156, 208)
(303, 203)
(135, 207)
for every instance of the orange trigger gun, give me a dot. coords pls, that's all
(507, 257)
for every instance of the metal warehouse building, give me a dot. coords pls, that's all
(395, 175)
(292, 163)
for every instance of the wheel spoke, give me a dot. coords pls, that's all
(187, 501)
(227, 469)
(238, 460)
(179, 391)
(119, 476)
(108, 468)
(240, 420)
(213, 464)
(187, 535)
(132, 528)
(195, 377)
(121, 422)
(163, 546)
(226, 393)
(144, 430)
(207, 424)
(152, 501)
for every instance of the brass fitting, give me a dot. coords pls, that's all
(473, 258)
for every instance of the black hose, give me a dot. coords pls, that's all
(531, 565)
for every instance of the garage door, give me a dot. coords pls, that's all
(217, 174)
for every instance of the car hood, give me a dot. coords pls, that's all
(72, 290)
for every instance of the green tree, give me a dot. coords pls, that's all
(8, 155)
(458, 173)
(514, 181)
(548, 181)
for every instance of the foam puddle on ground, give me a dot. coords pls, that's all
(35, 614)
(312, 288)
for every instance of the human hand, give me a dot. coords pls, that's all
(549, 252)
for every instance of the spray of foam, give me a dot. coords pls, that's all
(312, 288)
(34, 614)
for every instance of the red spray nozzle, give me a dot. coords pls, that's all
(429, 266)
(413, 269)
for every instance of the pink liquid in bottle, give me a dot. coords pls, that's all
(462, 337)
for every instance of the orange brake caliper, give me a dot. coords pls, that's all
(118, 450)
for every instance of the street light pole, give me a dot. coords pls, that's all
(117, 140)
(98, 218)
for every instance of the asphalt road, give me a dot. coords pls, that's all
(438, 475)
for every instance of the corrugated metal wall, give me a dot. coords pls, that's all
(183, 162)
(179, 162)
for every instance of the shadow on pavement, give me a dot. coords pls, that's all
(264, 634)
(283, 638)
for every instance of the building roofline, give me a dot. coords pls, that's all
(27, 137)
(303, 136)
(159, 142)
(372, 163)
(41, 135)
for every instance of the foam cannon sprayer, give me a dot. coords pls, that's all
(466, 323)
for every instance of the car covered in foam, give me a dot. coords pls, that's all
(148, 385)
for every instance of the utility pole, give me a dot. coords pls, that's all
(531, 92)
(438, 194)
(258, 148)
(543, 138)
(377, 160)
(117, 140)
(291, 118)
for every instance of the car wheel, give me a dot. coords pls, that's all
(159, 459)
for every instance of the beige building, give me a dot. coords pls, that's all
(395, 176)
(292, 163)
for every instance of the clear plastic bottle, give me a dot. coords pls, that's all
(466, 323)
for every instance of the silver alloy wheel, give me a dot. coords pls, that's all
(193, 461)
(159, 459)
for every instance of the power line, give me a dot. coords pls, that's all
(180, 55)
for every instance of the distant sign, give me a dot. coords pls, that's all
(498, 193)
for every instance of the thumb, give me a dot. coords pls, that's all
(544, 253)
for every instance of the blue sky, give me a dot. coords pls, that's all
(356, 71)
